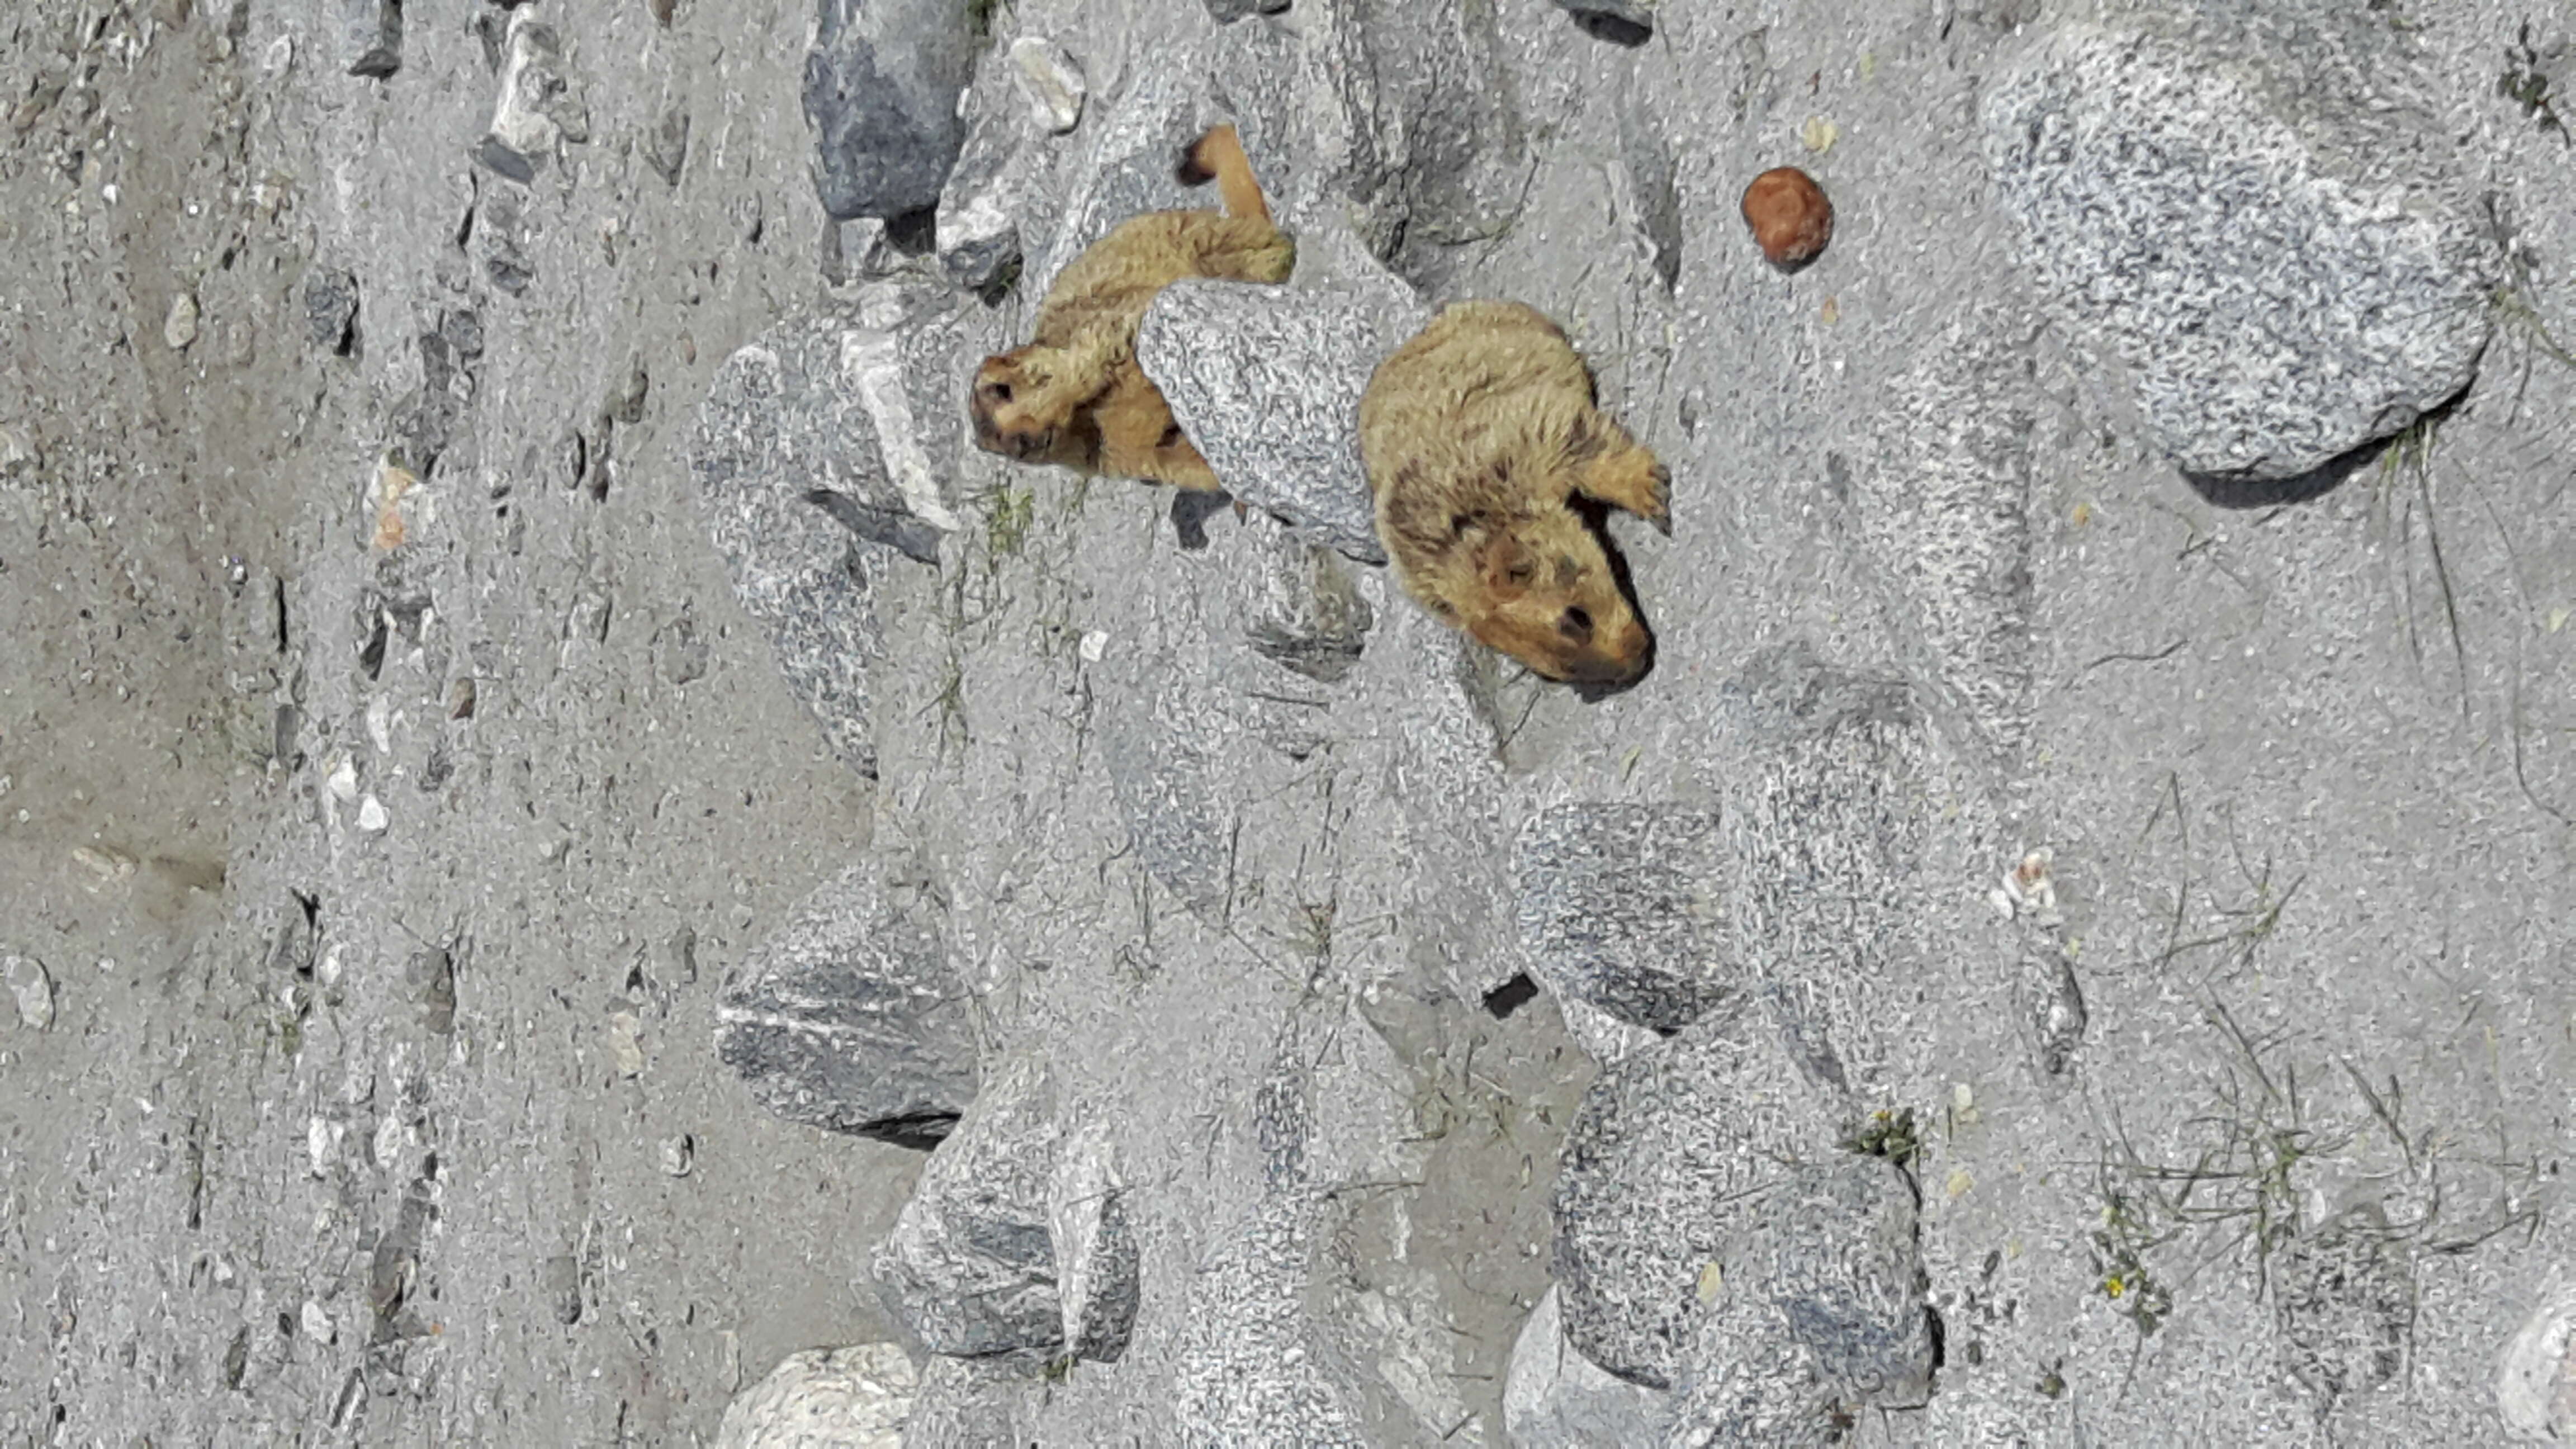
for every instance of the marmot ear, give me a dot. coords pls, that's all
(1506, 565)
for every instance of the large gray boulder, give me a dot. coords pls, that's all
(1266, 381)
(817, 461)
(849, 1018)
(1715, 1235)
(1622, 906)
(2265, 233)
(969, 1267)
(881, 88)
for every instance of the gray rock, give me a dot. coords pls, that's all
(1555, 1398)
(2535, 1381)
(1627, 22)
(1313, 620)
(1825, 823)
(371, 33)
(31, 987)
(1098, 1266)
(2264, 231)
(973, 1404)
(825, 1398)
(969, 1266)
(1266, 381)
(1622, 907)
(881, 88)
(533, 94)
(667, 149)
(1226, 12)
(331, 310)
(1050, 81)
(849, 1018)
(820, 403)
(999, 178)
(1714, 1236)
(1943, 517)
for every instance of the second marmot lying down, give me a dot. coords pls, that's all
(1479, 434)
(1074, 395)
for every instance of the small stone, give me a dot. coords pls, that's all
(841, 1398)
(626, 1039)
(1818, 134)
(679, 1154)
(278, 58)
(1051, 82)
(331, 310)
(1623, 22)
(372, 32)
(371, 815)
(342, 779)
(17, 454)
(1790, 217)
(1094, 646)
(667, 150)
(2536, 1378)
(317, 1324)
(180, 327)
(526, 119)
(970, 1265)
(1226, 12)
(32, 988)
(559, 1280)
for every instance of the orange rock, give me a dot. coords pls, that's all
(1789, 215)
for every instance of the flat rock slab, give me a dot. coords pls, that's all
(2281, 258)
(1266, 381)
(848, 1018)
(1623, 907)
(1555, 1398)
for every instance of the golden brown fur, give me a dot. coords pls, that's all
(1479, 434)
(1074, 395)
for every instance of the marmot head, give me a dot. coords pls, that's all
(999, 403)
(1543, 591)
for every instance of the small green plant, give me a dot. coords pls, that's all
(1887, 1132)
(2526, 85)
(1006, 529)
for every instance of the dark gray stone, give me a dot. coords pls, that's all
(849, 1018)
(881, 88)
(2261, 228)
(371, 32)
(1000, 177)
(1622, 907)
(1226, 12)
(969, 1266)
(901, 532)
(1625, 22)
(1266, 381)
(331, 310)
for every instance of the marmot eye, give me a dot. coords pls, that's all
(998, 391)
(1577, 624)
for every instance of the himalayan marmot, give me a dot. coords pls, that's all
(1479, 434)
(1075, 395)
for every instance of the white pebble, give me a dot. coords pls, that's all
(1094, 645)
(33, 989)
(180, 327)
(1050, 81)
(371, 815)
(317, 1324)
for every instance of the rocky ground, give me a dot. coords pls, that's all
(502, 887)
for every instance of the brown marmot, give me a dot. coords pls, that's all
(1479, 434)
(1074, 395)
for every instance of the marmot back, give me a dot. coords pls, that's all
(1478, 434)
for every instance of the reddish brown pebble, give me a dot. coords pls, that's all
(1789, 216)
